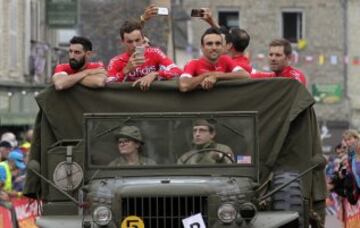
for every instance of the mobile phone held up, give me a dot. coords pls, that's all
(139, 51)
(163, 11)
(197, 13)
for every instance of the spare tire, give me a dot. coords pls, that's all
(290, 198)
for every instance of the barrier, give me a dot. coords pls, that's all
(26, 211)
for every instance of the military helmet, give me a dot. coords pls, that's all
(131, 132)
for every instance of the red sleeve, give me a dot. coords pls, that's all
(115, 68)
(168, 69)
(300, 77)
(190, 69)
(230, 65)
(260, 74)
(60, 68)
(95, 65)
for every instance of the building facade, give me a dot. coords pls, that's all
(24, 60)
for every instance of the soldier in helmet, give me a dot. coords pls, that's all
(130, 144)
(203, 139)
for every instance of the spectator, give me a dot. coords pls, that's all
(279, 56)
(212, 66)
(9, 169)
(11, 138)
(79, 69)
(5, 149)
(140, 68)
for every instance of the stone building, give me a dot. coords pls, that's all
(23, 61)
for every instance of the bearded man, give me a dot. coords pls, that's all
(79, 69)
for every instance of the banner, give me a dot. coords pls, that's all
(26, 211)
(5, 217)
(351, 214)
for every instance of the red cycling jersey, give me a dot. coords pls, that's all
(243, 61)
(68, 70)
(287, 72)
(155, 61)
(196, 67)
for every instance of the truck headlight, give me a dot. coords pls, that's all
(102, 215)
(226, 213)
(247, 211)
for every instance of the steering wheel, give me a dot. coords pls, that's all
(225, 157)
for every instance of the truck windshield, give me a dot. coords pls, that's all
(182, 139)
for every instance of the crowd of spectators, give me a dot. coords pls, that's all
(343, 168)
(14, 156)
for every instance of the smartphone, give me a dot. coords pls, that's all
(163, 11)
(197, 13)
(139, 51)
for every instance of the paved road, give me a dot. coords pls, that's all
(332, 222)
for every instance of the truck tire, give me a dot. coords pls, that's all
(290, 198)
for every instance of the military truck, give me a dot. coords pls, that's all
(270, 180)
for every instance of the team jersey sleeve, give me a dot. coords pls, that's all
(168, 69)
(230, 65)
(259, 74)
(300, 77)
(189, 70)
(96, 65)
(115, 70)
(60, 69)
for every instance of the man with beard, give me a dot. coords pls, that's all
(279, 57)
(79, 69)
(212, 66)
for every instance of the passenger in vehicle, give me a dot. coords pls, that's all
(212, 66)
(279, 57)
(237, 40)
(203, 140)
(79, 69)
(130, 145)
(139, 64)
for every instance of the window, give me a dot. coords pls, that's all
(229, 19)
(292, 25)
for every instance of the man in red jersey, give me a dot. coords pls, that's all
(236, 41)
(142, 69)
(79, 69)
(279, 57)
(212, 66)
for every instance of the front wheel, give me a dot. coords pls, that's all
(290, 198)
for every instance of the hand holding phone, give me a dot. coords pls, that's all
(139, 51)
(197, 13)
(163, 11)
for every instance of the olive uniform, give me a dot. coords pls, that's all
(209, 157)
(121, 161)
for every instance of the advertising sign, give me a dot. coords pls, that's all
(327, 93)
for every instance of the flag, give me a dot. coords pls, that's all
(240, 159)
(333, 59)
(321, 59)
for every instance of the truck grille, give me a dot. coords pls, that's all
(164, 212)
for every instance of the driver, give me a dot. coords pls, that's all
(130, 144)
(203, 138)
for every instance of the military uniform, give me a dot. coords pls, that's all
(208, 157)
(133, 133)
(121, 161)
